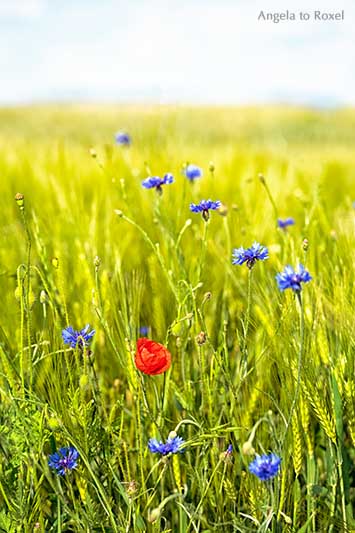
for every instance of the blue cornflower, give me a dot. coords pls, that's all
(192, 172)
(283, 223)
(204, 207)
(290, 279)
(77, 338)
(155, 182)
(121, 137)
(172, 445)
(256, 252)
(265, 467)
(144, 330)
(64, 460)
(229, 450)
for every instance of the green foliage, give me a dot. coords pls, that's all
(249, 367)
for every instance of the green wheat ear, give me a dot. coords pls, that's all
(321, 412)
(349, 392)
(297, 445)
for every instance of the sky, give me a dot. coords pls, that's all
(175, 51)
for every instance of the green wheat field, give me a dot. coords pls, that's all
(252, 367)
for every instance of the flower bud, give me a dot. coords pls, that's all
(43, 297)
(132, 488)
(305, 244)
(97, 262)
(20, 200)
(261, 178)
(154, 515)
(55, 262)
(247, 448)
(223, 210)
(93, 153)
(201, 338)
(227, 456)
(211, 167)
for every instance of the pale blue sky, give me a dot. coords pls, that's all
(180, 51)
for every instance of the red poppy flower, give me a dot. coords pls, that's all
(151, 357)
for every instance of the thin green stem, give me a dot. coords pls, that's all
(246, 322)
(205, 492)
(203, 251)
(268, 192)
(299, 366)
(156, 251)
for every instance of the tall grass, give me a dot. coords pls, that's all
(250, 366)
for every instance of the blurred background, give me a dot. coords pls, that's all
(176, 51)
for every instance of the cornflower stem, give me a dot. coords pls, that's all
(203, 250)
(272, 498)
(246, 322)
(59, 516)
(299, 366)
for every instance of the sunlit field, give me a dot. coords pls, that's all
(250, 392)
